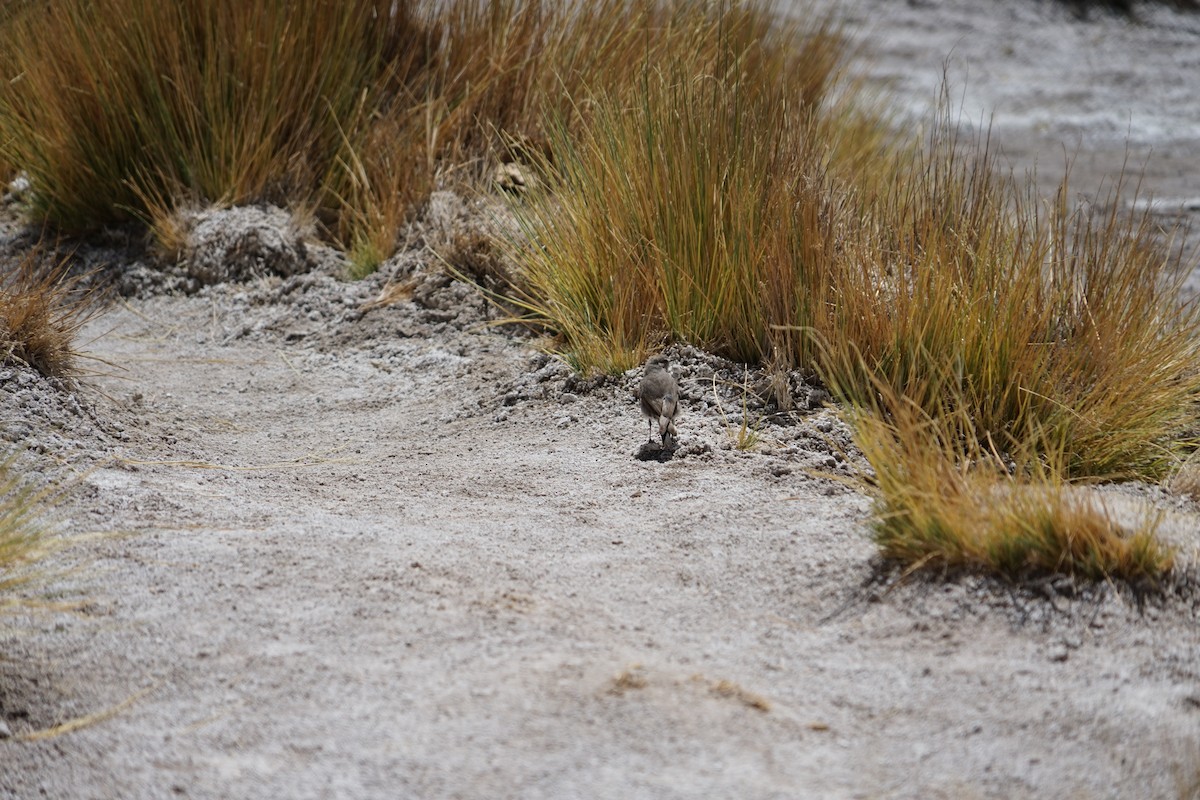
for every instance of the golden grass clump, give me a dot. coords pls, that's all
(690, 205)
(143, 102)
(351, 109)
(1050, 327)
(945, 503)
(42, 309)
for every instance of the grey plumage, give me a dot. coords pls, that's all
(659, 395)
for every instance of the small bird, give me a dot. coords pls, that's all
(659, 394)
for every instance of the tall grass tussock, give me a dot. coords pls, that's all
(143, 106)
(349, 109)
(42, 309)
(678, 212)
(944, 502)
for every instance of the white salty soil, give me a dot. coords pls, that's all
(396, 553)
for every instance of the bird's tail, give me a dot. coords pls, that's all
(666, 419)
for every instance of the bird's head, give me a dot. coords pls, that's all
(658, 362)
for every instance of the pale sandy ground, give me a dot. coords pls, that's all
(368, 556)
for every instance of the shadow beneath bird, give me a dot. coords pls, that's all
(649, 451)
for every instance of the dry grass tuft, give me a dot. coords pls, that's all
(744, 431)
(681, 210)
(219, 100)
(1049, 327)
(942, 502)
(354, 109)
(473, 254)
(42, 309)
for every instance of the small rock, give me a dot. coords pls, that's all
(1057, 653)
(817, 398)
(5, 731)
